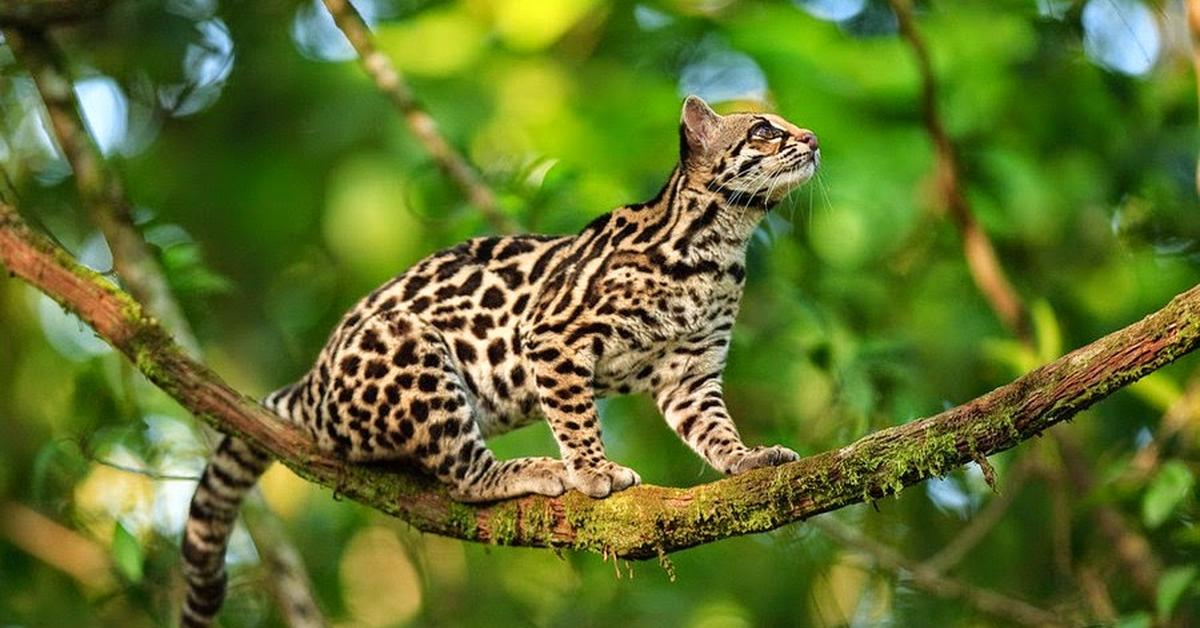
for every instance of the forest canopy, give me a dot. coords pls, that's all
(1001, 182)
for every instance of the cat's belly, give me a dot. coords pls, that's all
(500, 386)
(503, 402)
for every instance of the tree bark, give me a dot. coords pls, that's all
(645, 521)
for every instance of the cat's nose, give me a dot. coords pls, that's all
(810, 138)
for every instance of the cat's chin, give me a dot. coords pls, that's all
(793, 179)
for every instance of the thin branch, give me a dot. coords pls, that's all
(992, 281)
(100, 190)
(392, 84)
(144, 472)
(1095, 592)
(56, 545)
(1182, 415)
(1193, 19)
(922, 577)
(981, 258)
(138, 268)
(1057, 484)
(645, 521)
(1133, 550)
(970, 536)
(286, 576)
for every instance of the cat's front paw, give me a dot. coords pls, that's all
(761, 456)
(603, 478)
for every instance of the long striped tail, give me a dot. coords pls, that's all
(231, 472)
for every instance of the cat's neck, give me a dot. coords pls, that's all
(698, 221)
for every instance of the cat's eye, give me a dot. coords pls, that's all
(766, 131)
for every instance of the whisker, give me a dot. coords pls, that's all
(812, 208)
(739, 194)
(825, 193)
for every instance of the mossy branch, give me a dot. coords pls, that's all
(102, 191)
(645, 521)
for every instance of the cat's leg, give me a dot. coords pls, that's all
(396, 395)
(694, 407)
(564, 383)
(488, 479)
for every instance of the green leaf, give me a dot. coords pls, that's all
(127, 554)
(40, 470)
(1170, 486)
(1171, 587)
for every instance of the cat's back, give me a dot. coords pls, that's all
(459, 287)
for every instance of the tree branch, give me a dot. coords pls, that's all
(953, 552)
(57, 545)
(991, 280)
(391, 83)
(101, 191)
(137, 266)
(985, 269)
(1181, 416)
(644, 521)
(931, 581)
(1142, 567)
(287, 578)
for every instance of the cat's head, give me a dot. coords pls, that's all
(748, 156)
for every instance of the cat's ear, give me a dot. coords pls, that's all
(697, 127)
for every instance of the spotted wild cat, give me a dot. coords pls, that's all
(497, 332)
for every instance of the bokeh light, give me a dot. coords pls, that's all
(1121, 35)
(834, 10)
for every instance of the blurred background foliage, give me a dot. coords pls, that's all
(277, 186)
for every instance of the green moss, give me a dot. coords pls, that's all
(537, 522)
(757, 519)
(130, 309)
(503, 523)
(1006, 420)
(876, 469)
(145, 358)
(616, 525)
(397, 486)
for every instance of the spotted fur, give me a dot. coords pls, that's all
(498, 332)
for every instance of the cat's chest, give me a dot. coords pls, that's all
(669, 304)
(660, 335)
(645, 367)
